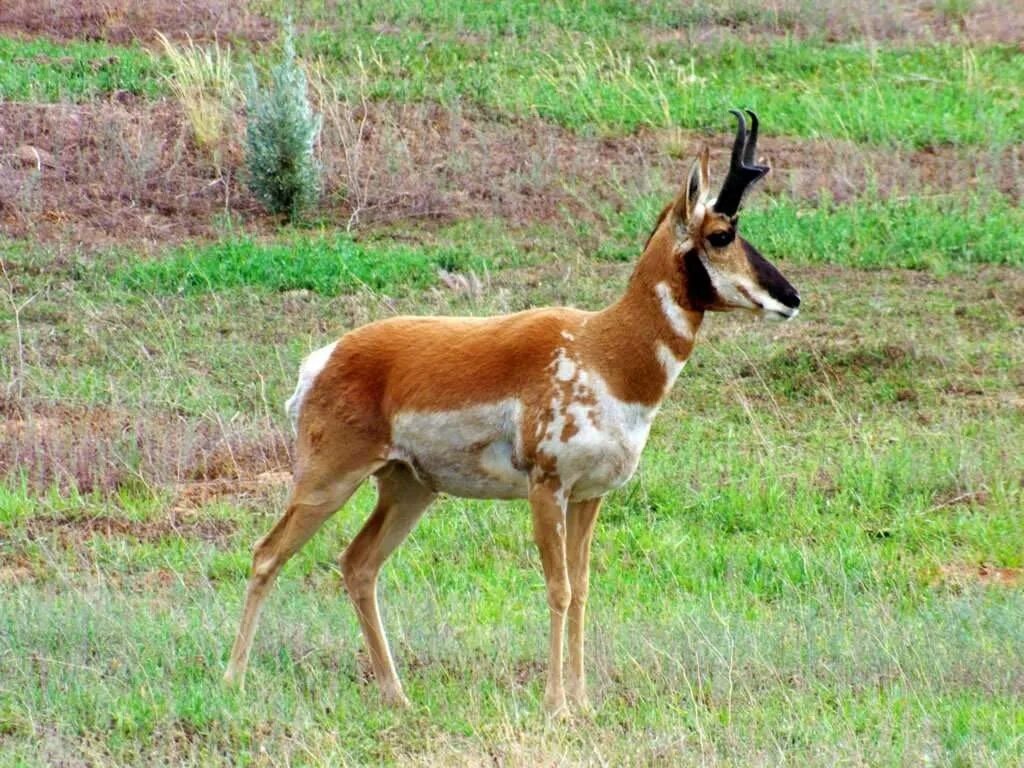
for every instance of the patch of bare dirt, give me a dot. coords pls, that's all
(101, 174)
(108, 173)
(122, 21)
(956, 498)
(963, 574)
(423, 160)
(104, 449)
(197, 494)
(807, 169)
(904, 21)
(16, 569)
(177, 524)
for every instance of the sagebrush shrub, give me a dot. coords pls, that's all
(281, 130)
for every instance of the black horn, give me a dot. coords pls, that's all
(743, 168)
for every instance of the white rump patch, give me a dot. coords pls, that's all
(308, 371)
(673, 313)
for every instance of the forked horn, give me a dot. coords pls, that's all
(743, 169)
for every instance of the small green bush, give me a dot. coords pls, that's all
(281, 129)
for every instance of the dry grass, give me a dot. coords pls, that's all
(101, 449)
(204, 82)
(904, 21)
(75, 528)
(346, 123)
(119, 172)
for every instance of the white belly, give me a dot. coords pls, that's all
(471, 452)
(477, 452)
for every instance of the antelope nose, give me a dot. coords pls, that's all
(790, 297)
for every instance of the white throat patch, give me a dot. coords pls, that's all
(671, 364)
(677, 320)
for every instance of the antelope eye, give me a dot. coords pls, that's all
(721, 239)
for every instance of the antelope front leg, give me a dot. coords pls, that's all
(549, 533)
(580, 523)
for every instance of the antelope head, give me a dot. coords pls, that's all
(724, 271)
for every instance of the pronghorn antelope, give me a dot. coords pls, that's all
(553, 405)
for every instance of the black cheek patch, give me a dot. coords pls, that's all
(700, 293)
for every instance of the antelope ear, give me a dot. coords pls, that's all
(693, 193)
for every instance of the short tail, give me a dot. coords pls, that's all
(308, 371)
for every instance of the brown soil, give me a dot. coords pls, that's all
(957, 498)
(103, 449)
(75, 528)
(108, 173)
(113, 172)
(903, 21)
(197, 494)
(419, 160)
(122, 21)
(962, 574)
(15, 569)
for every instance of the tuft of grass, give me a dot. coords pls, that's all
(939, 233)
(902, 96)
(203, 80)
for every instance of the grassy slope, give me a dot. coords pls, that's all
(912, 97)
(909, 96)
(791, 577)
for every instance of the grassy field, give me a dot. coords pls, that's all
(821, 558)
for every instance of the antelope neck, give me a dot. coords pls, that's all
(641, 341)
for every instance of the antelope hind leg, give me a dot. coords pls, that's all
(401, 501)
(309, 506)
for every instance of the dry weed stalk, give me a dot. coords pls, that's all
(16, 385)
(347, 116)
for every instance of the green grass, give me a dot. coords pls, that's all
(936, 233)
(326, 265)
(905, 96)
(39, 70)
(801, 572)
(781, 549)
(769, 586)
(911, 96)
(611, 20)
(227, 289)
